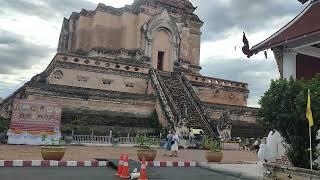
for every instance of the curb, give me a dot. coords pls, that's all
(50, 163)
(171, 164)
(47, 163)
(229, 172)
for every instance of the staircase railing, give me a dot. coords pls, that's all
(171, 102)
(162, 97)
(190, 93)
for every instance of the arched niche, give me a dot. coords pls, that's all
(162, 40)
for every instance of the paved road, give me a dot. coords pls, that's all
(33, 173)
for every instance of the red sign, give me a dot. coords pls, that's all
(35, 116)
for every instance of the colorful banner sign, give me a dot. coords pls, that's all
(35, 122)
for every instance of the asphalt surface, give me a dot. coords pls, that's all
(106, 173)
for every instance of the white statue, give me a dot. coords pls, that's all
(264, 152)
(273, 149)
(276, 145)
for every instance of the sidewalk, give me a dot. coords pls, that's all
(246, 171)
(85, 153)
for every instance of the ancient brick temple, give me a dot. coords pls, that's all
(114, 67)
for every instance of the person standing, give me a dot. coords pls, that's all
(168, 142)
(175, 145)
(256, 146)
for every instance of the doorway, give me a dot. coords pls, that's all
(160, 60)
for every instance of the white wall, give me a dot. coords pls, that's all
(289, 64)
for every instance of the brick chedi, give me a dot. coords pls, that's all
(115, 66)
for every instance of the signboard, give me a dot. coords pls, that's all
(35, 122)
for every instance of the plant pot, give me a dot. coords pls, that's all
(148, 154)
(213, 156)
(52, 152)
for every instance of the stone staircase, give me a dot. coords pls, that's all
(179, 97)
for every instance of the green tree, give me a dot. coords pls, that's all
(154, 122)
(4, 124)
(283, 107)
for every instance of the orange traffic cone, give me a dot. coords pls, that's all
(120, 166)
(125, 170)
(143, 170)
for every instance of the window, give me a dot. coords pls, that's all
(129, 84)
(82, 79)
(87, 61)
(160, 60)
(106, 81)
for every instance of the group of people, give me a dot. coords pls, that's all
(172, 144)
(251, 144)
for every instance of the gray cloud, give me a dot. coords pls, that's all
(256, 73)
(248, 15)
(219, 16)
(17, 53)
(46, 9)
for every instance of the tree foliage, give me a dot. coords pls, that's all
(4, 124)
(283, 107)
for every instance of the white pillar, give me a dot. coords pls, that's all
(289, 64)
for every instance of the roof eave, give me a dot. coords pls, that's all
(263, 47)
(264, 44)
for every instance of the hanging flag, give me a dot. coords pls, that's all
(309, 112)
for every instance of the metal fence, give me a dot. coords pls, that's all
(79, 139)
(126, 140)
(93, 139)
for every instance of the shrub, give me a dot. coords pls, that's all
(145, 142)
(283, 107)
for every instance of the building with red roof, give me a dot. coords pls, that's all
(296, 46)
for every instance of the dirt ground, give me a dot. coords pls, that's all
(78, 153)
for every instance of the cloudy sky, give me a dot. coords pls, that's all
(29, 32)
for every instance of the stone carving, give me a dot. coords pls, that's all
(224, 126)
(183, 116)
(58, 72)
(278, 54)
(162, 21)
(130, 54)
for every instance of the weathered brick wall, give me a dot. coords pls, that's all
(237, 113)
(221, 96)
(219, 91)
(112, 28)
(135, 107)
(103, 81)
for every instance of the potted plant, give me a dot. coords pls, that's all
(215, 153)
(145, 149)
(53, 151)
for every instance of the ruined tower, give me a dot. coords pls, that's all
(114, 67)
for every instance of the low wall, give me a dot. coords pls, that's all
(273, 171)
